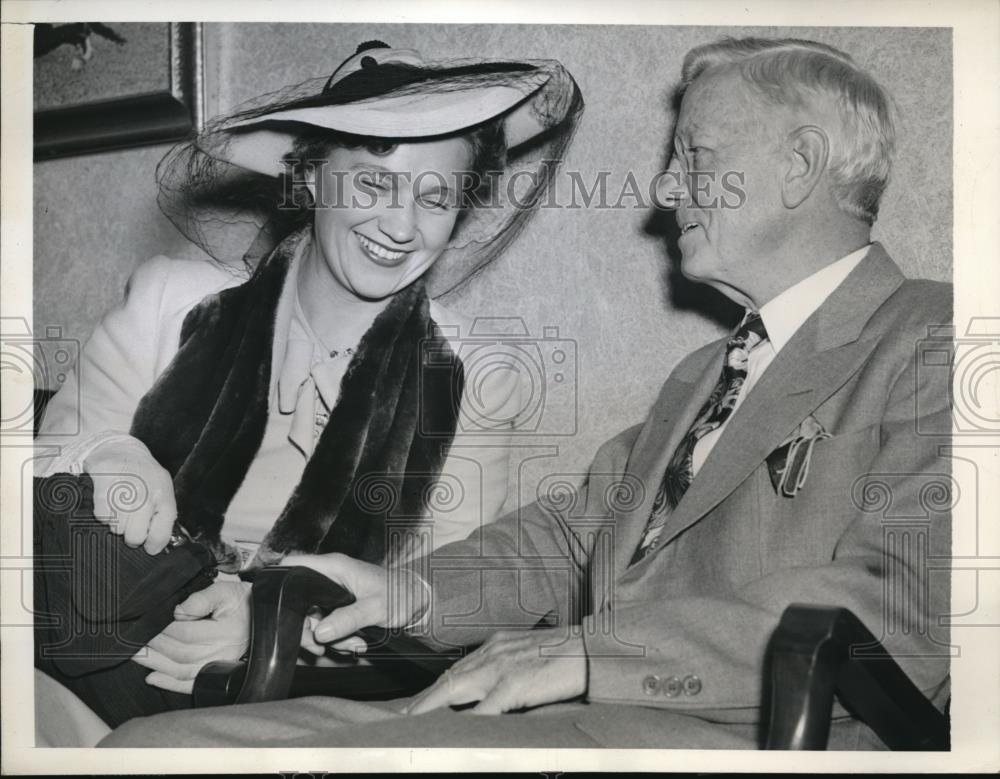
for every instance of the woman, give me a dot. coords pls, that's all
(320, 404)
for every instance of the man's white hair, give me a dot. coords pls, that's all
(790, 71)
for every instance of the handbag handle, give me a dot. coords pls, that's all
(282, 597)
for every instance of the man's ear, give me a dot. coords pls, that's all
(809, 146)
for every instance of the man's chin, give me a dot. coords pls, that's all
(693, 268)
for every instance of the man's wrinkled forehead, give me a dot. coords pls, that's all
(719, 99)
(722, 104)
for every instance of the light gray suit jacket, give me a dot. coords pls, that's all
(685, 630)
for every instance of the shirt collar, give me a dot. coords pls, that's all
(305, 357)
(283, 317)
(784, 314)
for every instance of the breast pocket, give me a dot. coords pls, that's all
(804, 528)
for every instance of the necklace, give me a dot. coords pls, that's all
(319, 344)
(321, 414)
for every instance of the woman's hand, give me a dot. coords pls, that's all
(213, 624)
(133, 493)
(389, 598)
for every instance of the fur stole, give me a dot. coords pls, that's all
(378, 456)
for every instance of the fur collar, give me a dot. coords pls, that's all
(382, 449)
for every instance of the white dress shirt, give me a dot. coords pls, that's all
(783, 315)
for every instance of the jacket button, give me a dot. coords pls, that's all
(692, 685)
(651, 685)
(672, 687)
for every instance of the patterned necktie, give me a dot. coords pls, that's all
(717, 409)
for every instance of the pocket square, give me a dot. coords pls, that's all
(788, 465)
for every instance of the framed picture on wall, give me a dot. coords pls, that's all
(99, 87)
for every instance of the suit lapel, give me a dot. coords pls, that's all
(785, 395)
(823, 355)
(674, 412)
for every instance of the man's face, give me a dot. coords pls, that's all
(726, 164)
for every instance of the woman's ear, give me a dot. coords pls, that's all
(300, 185)
(309, 179)
(809, 146)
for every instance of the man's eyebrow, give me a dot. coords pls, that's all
(679, 146)
(682, 131)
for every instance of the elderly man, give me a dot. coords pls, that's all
(748, 487)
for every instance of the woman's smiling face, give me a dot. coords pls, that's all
(382, 220)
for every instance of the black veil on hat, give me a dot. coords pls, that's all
(222, 187)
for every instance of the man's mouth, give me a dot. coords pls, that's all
(382, 255)
(688, 227)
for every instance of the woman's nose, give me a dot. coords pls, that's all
(399, 221)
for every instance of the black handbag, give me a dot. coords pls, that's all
(98, 600)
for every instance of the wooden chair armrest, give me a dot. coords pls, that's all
(813, 658)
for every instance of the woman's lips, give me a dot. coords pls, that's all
(381, 255)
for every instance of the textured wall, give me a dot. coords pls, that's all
(600, 276)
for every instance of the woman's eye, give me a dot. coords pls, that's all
(436, 202)
(379, 183)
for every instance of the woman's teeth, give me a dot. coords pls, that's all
(380, 251)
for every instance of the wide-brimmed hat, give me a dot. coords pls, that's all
(378, 92)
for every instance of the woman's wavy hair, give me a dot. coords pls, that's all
(797, 72)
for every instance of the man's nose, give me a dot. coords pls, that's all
(671, 189)
(399, 221)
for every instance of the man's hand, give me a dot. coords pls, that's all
(390, 598)
(133, 493)
(213, 624)
(512, 670)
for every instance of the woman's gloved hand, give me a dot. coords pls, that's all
(133, 493)
(213, 624)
